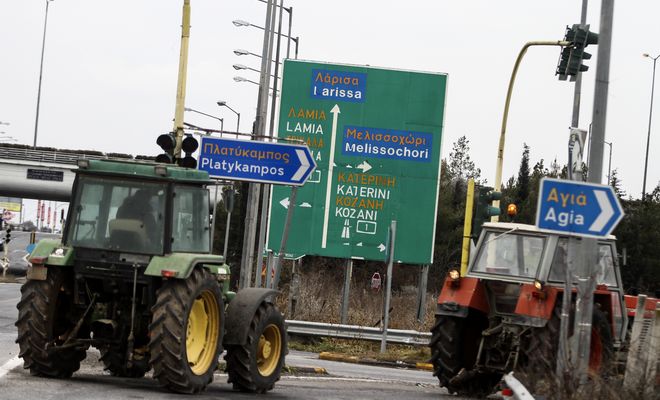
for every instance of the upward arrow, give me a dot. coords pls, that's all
(331, 163)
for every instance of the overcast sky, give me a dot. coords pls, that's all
(110, 70)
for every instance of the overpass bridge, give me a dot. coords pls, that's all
(42, 173)
(46, 173)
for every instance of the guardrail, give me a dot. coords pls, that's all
(399, 336)
(54, 156)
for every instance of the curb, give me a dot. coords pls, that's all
(305, 370)
(370, 361)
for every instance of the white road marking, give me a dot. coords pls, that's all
(9, 365)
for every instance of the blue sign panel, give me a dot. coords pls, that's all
(580, 208)
(338, 85)
(253, 161)
(387, 143)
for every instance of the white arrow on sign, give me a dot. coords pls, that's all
(381, 247)
(304, 165)
(606, 211)
(331, 163)
(365, 166)
(285, 202)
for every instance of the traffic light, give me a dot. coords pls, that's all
(8, 235)
(571, 57)
(188, 146)
(583, 38)
(167, 142)
(483, 209)
(565, 55)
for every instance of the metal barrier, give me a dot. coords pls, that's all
(399, 336)
(53, 156)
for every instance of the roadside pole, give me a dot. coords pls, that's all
(586, 268)
(250, 227)
(181, 84)
(348, 273)
(388, 286)
(563, 364)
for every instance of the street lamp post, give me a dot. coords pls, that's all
(222, 120)
(239, 23)
(648, 136)
(290, 38)
(242, 79)
(223, 103)
(41, 70)
(239, 67)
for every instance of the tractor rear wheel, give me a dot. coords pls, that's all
(257, 365)
(186, 332)
(46, 317)
(454, 345)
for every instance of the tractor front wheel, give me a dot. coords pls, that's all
(257, 365)
(186, 332)
(454, 345)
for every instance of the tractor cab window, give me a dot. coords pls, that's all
(118, 215)
(605, 274)
(190, 220)
(510, 254)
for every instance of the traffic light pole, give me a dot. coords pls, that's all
(505, 116)
(181, 85)
(586, 273)
(563, 365)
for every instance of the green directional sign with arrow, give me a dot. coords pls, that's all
(375, 135)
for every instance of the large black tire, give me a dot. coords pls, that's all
(539, 356)
(45, 315)
(186, 332)
(454, 346)
(257, 365)
(114, 361)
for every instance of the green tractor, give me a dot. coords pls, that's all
(134, 277)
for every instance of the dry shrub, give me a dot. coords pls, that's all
(320, 297)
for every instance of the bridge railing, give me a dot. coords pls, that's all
(54, 156)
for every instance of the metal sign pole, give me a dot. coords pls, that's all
(388, 288)
(586, 274)
(348, 273)
(285, 235)
(421, 292)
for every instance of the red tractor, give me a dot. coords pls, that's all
(504, 314)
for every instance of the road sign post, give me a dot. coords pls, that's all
(376, 136)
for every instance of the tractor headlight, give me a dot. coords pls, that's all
(58, 252)
(454, 274)
(538, 285)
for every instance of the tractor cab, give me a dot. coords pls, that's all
(525, 254)
(146, 209)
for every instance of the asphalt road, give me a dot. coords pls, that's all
(343, 381)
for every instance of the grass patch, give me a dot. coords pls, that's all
(363, 349)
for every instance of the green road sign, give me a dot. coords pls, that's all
(376, 136)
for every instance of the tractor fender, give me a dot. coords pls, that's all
(181, 265)
(456, 299)
(240, 312)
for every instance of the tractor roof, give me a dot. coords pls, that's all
(528, 228)
(143, 170)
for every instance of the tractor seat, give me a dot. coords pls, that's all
(127, 233)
